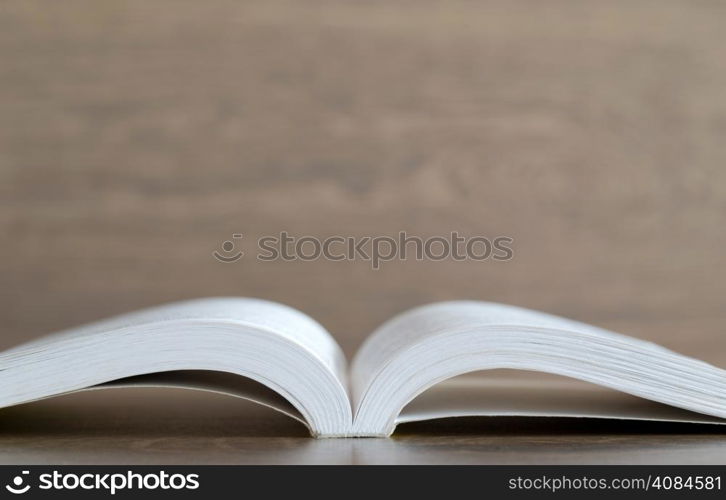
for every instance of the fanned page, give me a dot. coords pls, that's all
(194, 344)
(423, 347)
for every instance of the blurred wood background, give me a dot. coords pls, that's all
(137, 136)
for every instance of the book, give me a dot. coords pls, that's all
(279, 357)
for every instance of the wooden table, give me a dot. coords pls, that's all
(148, 426)
(136, 137)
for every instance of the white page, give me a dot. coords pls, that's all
(420, 348)
(275, 345)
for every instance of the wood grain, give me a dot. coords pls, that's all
(136, 137)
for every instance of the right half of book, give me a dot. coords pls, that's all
(411, 369)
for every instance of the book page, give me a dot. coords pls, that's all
(426, 346)
(274, 345)
(283, 320)
(412, 327)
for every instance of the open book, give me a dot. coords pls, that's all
(277, 356)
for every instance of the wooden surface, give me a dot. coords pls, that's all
(149, 426)
(136, 137)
